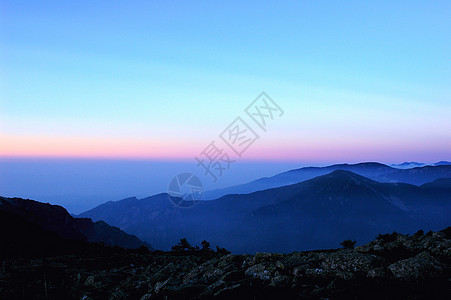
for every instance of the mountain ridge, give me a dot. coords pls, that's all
(372, 170)
(55, 218)
(306, 215)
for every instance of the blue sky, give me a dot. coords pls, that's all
(159, 80)
(178, 73)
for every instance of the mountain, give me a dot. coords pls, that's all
(443, 184)
(54, 219)
(316, 213)
(369, 169)
(372, 170)
(408, 165)
(417, 176)
(442, 163)
(413, 164)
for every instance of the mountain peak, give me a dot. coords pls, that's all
(342, 176)
(442, 163)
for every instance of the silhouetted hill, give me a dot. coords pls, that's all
(442, 163)
(52, 220)
(393, 266)
(408, 165)
(317, 213)
(21, 237)
(375, 171)
(440, 184)
(417, 176)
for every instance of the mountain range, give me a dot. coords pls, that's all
(414, 164)
(408, 165)
(31, 223)
(372, 170)
(311, 214)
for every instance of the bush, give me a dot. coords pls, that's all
(205, 246)
(222, 251)
(182, 246)
(348, 244)
(388, 237)
(419, 233)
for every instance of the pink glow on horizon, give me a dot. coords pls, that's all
(312, 150)
(14, 146)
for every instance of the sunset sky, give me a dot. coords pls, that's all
(357, 81)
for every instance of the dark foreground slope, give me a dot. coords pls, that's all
(314, 214)
(27, 223)
(393, 266)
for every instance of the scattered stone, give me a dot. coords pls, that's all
(405, 266)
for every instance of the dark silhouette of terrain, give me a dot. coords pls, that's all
(24, 222)
(46, 254)
(392, 266)
(375, 171)
(314, 214)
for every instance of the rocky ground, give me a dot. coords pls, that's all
(392, 266)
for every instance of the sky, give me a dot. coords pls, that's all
(159, 80)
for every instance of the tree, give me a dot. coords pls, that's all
(222, 250)
(348, 244)
(183, 245)
(419, 233)
(388, 237)
(205, 246)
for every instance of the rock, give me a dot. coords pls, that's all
(171, 281)
(264, 256)
(299, 271)
(385, 266)
(379, 272)
(350, 261)
(227, 290)
(90, 281)
(146, 297)
(232, 276)
(315, 272)
(279, 281)
(259, 271)
(280, 265)
(163, 273)
(422, 266)
(213, 288)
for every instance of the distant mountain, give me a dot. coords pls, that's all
(317, 213)
(413, 164)
(370, 169)
(417, 176)
(375, 171)
(55, 219)
(442, 163)
(408, 165)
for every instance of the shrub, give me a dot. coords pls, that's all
(205, 246)
(222, 251)
(419, 233)
(348, 244)
(388, 237)
(183, 245)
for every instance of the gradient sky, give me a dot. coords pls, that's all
(358, 80)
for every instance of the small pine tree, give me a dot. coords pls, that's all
(419, 233)
(222, 251)
(348, 244)
(388, 237)
(205, 246)
(183, 245)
